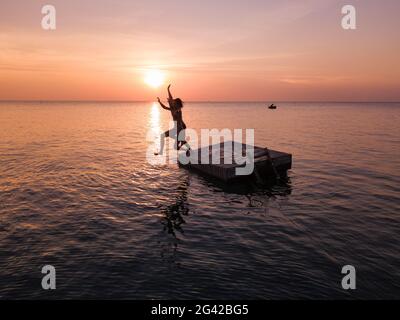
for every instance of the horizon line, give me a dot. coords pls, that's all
(200, 101)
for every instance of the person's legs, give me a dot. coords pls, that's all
(173, 135)
(181, 134)
(162, 142)
(182, 143)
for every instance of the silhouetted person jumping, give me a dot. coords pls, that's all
(175, 106)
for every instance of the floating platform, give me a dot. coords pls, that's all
(226, 170)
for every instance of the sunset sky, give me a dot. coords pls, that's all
(225, 50)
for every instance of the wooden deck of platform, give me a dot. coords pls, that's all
(226, 171)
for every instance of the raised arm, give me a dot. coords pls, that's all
(163, 105)
(169, 93)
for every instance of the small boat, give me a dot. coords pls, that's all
(272, 106)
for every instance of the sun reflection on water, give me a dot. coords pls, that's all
(153, 133)
(154, 119)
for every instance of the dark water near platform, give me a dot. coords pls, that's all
(76, 192)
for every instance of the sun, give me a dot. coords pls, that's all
(154, 78)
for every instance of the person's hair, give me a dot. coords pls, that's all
(178, 103)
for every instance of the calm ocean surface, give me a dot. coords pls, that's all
(76, 192)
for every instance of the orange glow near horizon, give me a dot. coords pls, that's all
(209, 50)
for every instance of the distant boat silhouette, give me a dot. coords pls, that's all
(272, 106)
